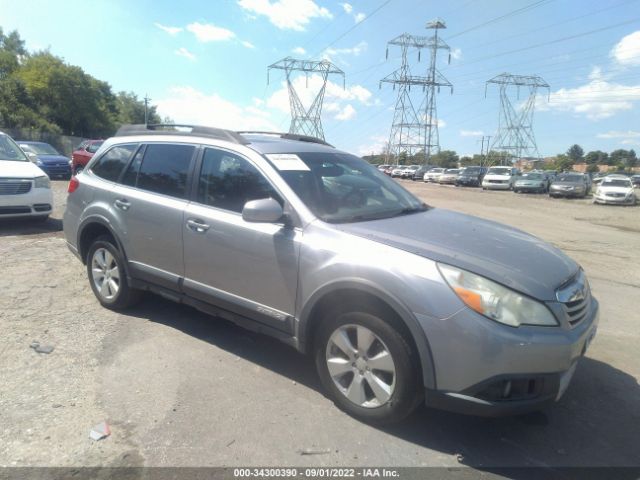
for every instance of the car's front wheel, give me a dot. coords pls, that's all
(107, 276)
(368, 367)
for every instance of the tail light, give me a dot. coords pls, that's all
(74, 183)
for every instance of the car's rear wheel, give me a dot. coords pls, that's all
(107, 276)
(367, 366)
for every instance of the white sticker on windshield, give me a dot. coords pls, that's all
(288, 161)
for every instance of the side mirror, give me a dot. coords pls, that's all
(265, 210)
(32, 156)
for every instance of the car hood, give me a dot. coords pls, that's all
(566, 184)
(52, 159)
(528, 182)
(9, 169)
(625, 190)
(501, 253)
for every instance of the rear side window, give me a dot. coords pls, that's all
(164, 169)
(228, 182)
(113, 161)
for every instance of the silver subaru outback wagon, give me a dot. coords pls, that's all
(398, 302)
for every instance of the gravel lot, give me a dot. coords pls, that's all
(182, 389)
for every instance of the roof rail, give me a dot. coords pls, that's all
(178, 129)
(289, 136)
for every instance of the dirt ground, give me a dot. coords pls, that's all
(180, 388)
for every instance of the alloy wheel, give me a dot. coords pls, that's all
(105, 273)
(361, 366)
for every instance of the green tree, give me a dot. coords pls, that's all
(593, 168)
(445, 158)
(575, 153)
(467, 161)
(563, 163)
(596, 157)
(623, 158)
(130, 110)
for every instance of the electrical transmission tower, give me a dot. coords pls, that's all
(515, 125)
(306, 121)
(416, 129)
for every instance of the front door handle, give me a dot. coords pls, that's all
(122, 204)
(197, 225)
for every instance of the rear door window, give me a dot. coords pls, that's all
(113, 161)
(163, 169)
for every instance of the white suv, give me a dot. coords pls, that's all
(25, 190)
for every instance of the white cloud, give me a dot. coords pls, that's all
(471, 133)
(207, 32)
(185, 104)
(377, 144)
(334, 94)
(286, 14)
(347, 113)
(299, 51)
(598, 99)
(358, 17)
(356, 50)
(173, 31)
(627, 50)
(183, 52)
(456, 54)
(248, 44)
(347, 7)
(630, 137)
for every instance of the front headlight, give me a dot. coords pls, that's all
(42, 182)
(39, 163)
(495, 301)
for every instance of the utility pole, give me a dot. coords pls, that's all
(414, 129)
(306, 121)
(146, 109)
(515, 127)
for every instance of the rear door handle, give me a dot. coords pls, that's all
(197, 225)
(122, 204)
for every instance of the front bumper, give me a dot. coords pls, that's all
(35, 203)
(468, 182)
(487, 369)
(57, 171)
(496, 186)
(567, 193)
(614, 200)
(529, 188)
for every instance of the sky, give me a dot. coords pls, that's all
(205, 62)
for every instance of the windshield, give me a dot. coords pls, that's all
(93, 147)
(569, 178)
(471, 171)
(499, 171)
(532, 176)
(41, 148)
(341, 188)
(617, 182)
(10, 151)
(452, 170)
(436, 170)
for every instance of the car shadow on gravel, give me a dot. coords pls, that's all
(26, 226)
(594, 424)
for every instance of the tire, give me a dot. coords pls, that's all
(398, 394)
(104, 255)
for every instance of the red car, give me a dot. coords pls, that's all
(83, 153)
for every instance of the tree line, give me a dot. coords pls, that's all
(40, 91)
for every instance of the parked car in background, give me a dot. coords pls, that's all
(382, 168)
(532, 182)
(449, 176)
(569, 185)
(635, 179)
(500, 178)
(83, 153)
(25, 190)
(471, 176)
(615, 190)
(396, 171)
(433, 174)
(389, 169)
(407, 172)
(419, 173)
(398, 303)
(47, 158)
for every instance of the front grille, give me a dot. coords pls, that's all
(14, 186)
(615, 195)
(14, 210)
(575, 299)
